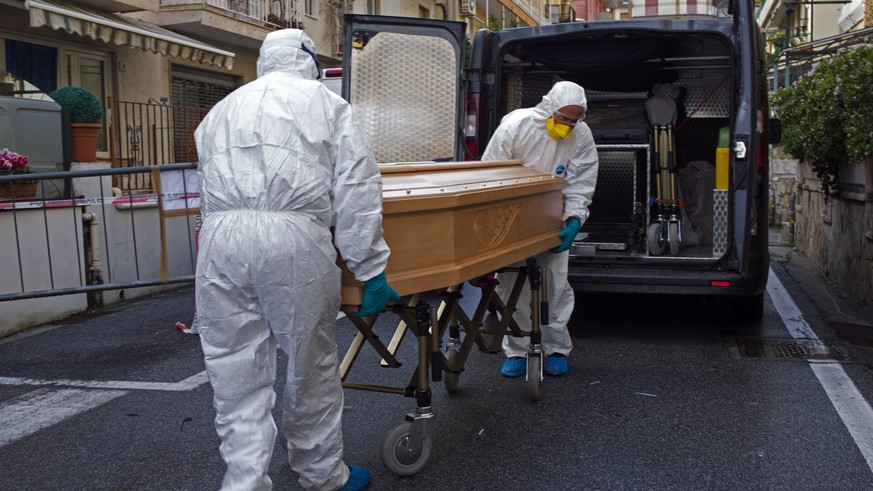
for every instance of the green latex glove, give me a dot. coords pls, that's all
(377, 293)
(568, 234)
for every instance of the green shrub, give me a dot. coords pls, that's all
(83, 105)
(826, 115)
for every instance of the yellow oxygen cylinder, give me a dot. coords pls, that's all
(722, 159)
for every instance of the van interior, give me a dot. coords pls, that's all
(619, 72)
(406, 106)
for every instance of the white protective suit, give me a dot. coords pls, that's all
(522, 135)
(281, 160)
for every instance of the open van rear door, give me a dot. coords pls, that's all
(403, 77)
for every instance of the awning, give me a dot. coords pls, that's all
(123, 31)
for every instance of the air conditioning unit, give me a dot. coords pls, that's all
(468, 7)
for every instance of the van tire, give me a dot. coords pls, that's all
(748, 309)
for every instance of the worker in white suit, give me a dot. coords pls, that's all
(282, 161)
(551, 138)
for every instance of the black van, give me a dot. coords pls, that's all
(420, 97)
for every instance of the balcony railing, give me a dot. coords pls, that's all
(272, 14)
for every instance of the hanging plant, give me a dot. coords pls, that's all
(826, 115)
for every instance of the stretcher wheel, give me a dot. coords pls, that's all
(397, 455)
(451, 379)
(674, 238)
(654, 239)
(534, 377)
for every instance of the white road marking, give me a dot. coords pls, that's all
(791, 315)
(188, 384)
(41, 408)
(854, 410)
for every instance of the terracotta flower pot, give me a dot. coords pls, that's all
(84, 141)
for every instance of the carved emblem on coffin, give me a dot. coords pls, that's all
(492, 225)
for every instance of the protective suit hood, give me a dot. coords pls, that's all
(289, 50)
(562, 94)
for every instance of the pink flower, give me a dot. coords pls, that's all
(12, 163)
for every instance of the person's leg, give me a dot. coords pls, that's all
(240, 357)
(515, 346)
(303, 302)
(557, 343)
(556, 337)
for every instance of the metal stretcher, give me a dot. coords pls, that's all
(406, 446)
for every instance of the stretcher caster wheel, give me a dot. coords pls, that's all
(451, 379)
(535, 377)
(655, 240)
(397, 454)
(674, 238)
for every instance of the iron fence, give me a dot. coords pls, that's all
(151, 133)
(97, 240)
(793, 63)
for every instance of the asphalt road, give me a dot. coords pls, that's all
(660, 395)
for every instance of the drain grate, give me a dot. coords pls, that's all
(794, 349)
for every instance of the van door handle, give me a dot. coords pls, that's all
(740, 150)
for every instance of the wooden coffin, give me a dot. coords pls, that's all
(450, 222)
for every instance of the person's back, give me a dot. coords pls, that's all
(281, 161)
(270, 159)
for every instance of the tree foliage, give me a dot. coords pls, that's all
(826, 115)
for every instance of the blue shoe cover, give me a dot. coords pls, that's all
(515, 366)
(358, 479)
(556, 364)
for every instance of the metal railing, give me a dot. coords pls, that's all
(796, 61)
(95, 241)
(148, 134)
(272, 14)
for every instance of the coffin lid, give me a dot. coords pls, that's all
(410, 186)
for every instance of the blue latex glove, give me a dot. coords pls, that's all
(377, 293)
(568, 234)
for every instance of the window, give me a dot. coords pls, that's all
(194, 92)
(423, 12)
(89, 70)
(309, 7)
(33, 63)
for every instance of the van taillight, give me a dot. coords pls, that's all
(333, 72)
(471, 126)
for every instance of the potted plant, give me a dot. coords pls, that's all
(12, 163)
(86, 113)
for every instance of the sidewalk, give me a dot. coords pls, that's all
(845, 319)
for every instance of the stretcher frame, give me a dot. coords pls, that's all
(406, 446)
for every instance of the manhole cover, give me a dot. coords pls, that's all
(796, 349)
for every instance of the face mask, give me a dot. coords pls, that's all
(557, 130)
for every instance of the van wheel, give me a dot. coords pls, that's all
(749, 310)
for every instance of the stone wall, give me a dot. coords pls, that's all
(836, 233)
(783, 184)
